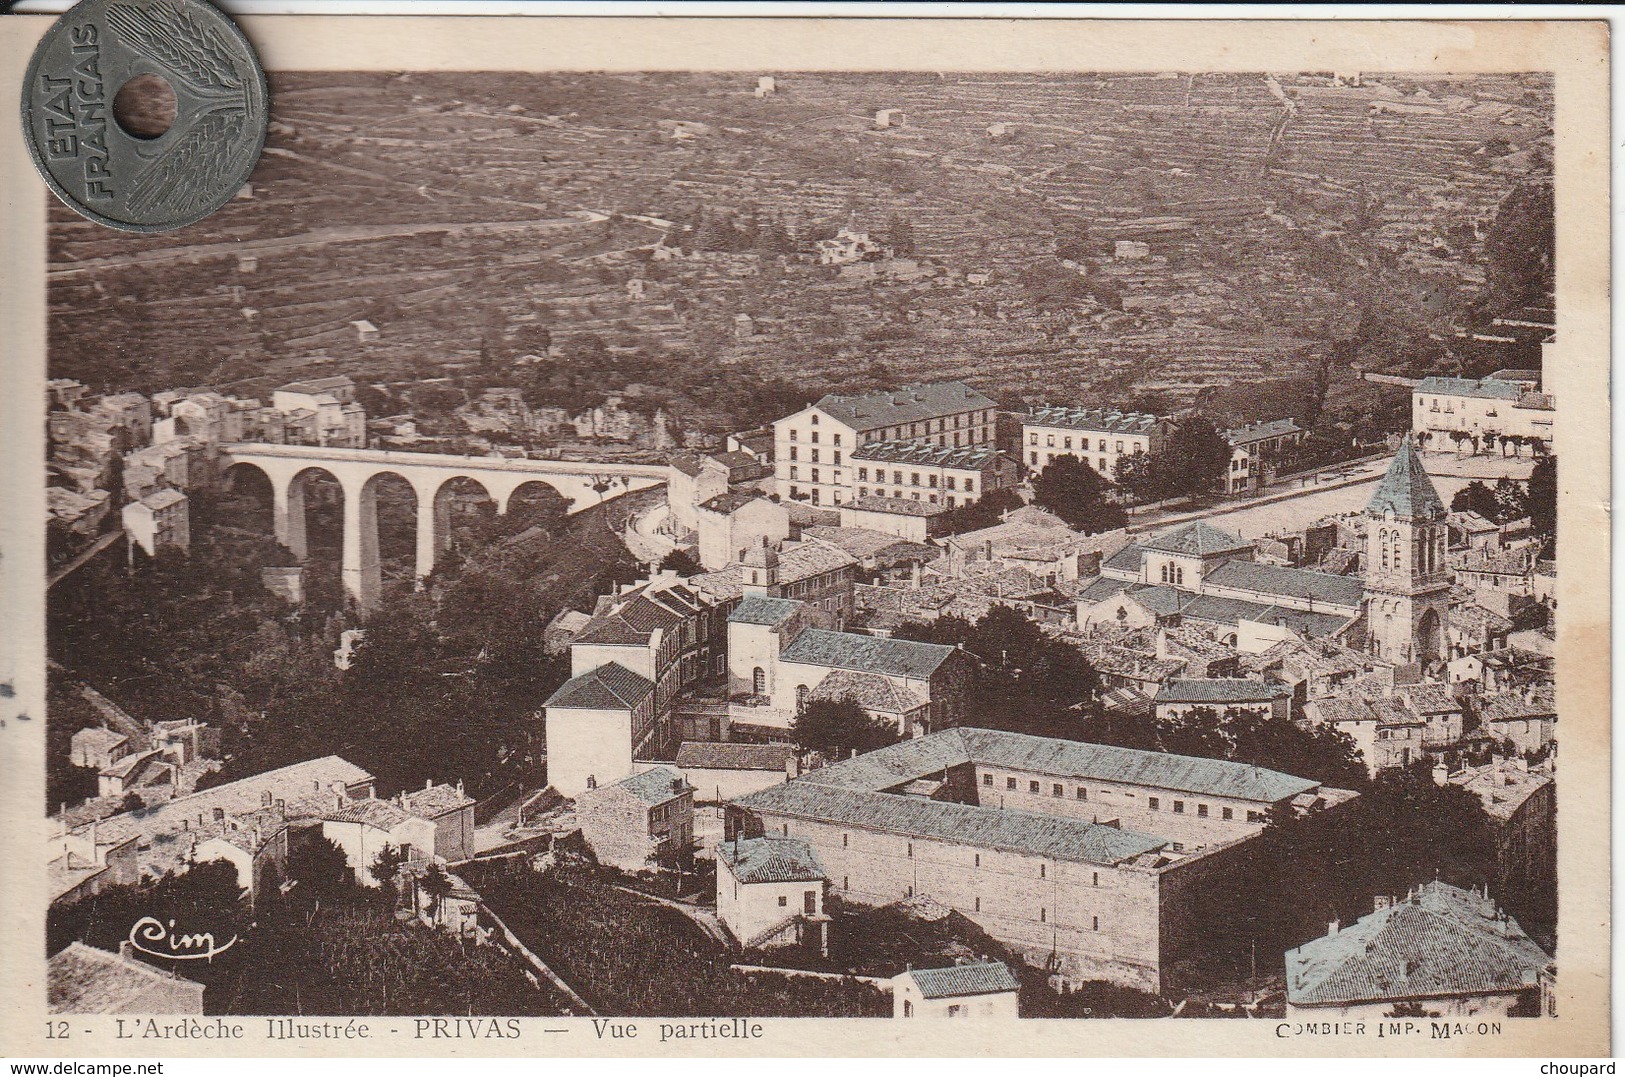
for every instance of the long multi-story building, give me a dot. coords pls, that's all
(812, 449)
(1094, 861)
(919, 471)
(1100, 437)
(1445, 412)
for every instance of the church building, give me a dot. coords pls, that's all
(1407, 584)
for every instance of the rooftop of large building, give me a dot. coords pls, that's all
(1219, 690)
(85, 979)
(762, 610)
(1502, 786)
(906, 451)
(1095, 420)
(1282, 582)
(610, 686)
(912, 403)
(895, 506)
(866, 654)
(1439, 942)
(1483, 388)
(1198, 538)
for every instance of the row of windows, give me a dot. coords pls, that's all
(1083, 443)
(836, 460)
(835, 440)
(1101, 467)
(863, 491)
(1173, 574)
(948, 481)
(1058, 790)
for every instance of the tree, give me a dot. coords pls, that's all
(681, 562)
(838, 727)
(1511, 502)
(1077, 493)
(900, 235)
(1475, 497)
(986, 511)
(320, 868)
(437, 885)
(1194, 457)
(386, 865)
(1541, 502)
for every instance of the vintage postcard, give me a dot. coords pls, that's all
(751, 536)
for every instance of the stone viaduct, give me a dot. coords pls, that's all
(288, 467)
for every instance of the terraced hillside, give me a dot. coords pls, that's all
(1288, 222)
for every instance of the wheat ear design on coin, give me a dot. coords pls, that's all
(173, 37)
(184, 178)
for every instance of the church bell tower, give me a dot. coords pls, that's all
(1407, 585)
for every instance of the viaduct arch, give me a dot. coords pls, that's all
(289, 467)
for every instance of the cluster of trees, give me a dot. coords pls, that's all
(838, 727)
(1077, 493)
(630, 957)
(1190, 463)
(1022, 680)
(1509, 500)
(326, 945)
(985, 511)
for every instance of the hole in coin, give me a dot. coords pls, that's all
(145, 106)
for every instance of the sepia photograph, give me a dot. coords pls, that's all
(712, 545)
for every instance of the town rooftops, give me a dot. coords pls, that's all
(1484, 388)
(1095, 420)
(866, 654)
(868, 690)
(966, 458)
(433, 801)
(1219, 690)
(733, 755)
(1253, 433)
(771, 860)
(761, 610)
(912, 403)
(1406, 489)
(610, 686)
(1055, 836)
(1438, 942)
(892, 766)
(896, 506)
(1501, 787)
(655, 785)
(86, 979)
(958, 981)
(1195, 538)
(1283, 582)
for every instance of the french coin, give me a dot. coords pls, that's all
(118, 177)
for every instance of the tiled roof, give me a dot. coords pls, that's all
(871, 692)
(1278, 580)
(804, 560)
(1103, 588)
(1486, 388)
(1502, 789)
(1055, 836)
(1429, 699)
(1196, 538)
(964, 458)
(1182, 773)
(1406, 489)
(1094, 420)
(1261, 431)
(862, 542)
(655, 785)
(912, 403)
(436, 800)
(1510, 706)
(956, 981)
(1127, 559)
(718, 755)
(731, 502)
(896, 506)
(771, 860)
(892, 766)
(85, 979)
(98, 737)
(382, 814)
(1218, 690)
(866, 654)
(1442, 942)
(610, 686)
(761, 610)
(317, 385)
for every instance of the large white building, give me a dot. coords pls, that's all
(917, 471)
(1100, 437)
(812, 449)
(1446, 412)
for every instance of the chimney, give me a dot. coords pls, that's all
(428, 783)
(459, 787)
(126, 952)
(1381, 901)
(265, 798)
(592, 781)
(281, 806)
(219, 815)
(1332, 927)
(1441, 773)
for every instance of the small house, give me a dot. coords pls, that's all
(984, 989)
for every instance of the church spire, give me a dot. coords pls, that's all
(1406, 490)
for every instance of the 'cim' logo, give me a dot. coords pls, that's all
(150, 929)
